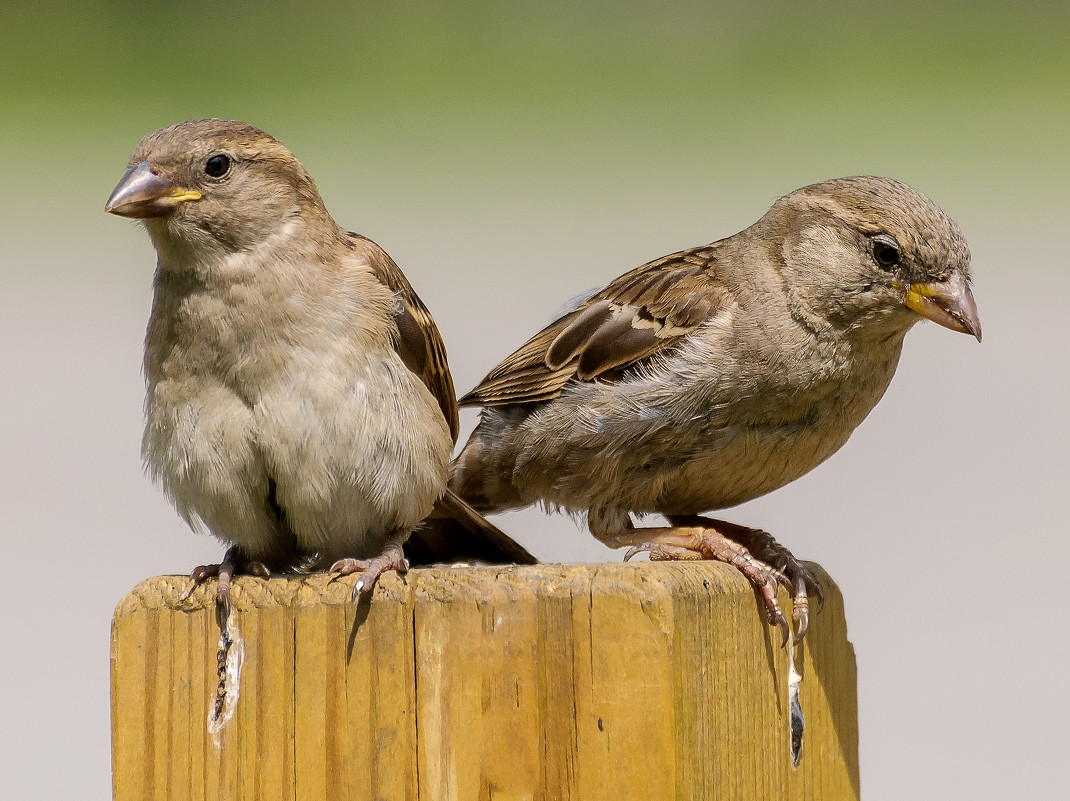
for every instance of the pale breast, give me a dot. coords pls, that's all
(258, 384)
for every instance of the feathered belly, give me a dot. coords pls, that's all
(345, 462)
(744, 463)
(683, 457)
(683, 473)
(356, 461)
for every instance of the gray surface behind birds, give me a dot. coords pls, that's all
(503, 185)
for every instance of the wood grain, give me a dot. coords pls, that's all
(647, 681)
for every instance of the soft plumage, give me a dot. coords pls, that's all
(717, 374)
(299, 402)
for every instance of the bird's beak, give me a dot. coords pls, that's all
(949, 303)
(142, 193)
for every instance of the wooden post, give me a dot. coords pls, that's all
(623, 681)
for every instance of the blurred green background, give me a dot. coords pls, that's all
(509, 156)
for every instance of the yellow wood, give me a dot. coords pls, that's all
(586, 682)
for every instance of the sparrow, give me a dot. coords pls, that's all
(299, 402)
(717, 374)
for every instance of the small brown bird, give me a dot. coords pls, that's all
(717, 374)
(299, 403)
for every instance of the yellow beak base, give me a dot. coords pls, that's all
(142, 194)
(949, 303)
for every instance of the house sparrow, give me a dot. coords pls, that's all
(717, 374)
(299, 403)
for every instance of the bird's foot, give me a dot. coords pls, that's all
(760, 558)
(234, 563)
(693, 542)
(392, 558)
(795, 576)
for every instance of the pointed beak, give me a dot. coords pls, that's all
(949, 303)
(142, 193)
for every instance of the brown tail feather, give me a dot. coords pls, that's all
(457, 532)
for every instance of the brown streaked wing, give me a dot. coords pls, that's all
(636, 316)
(419, 342)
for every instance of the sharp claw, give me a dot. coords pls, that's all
(358, 588)
(203, 572)
(642, 547)
(776, 618)
(800, 607)
(772, 608)
(820, 596)
(223, 599)
(781, 623)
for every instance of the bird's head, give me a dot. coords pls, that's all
(873, 256)
(215, 187)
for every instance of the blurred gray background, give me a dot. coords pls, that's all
(509, 156)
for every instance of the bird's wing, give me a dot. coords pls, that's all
(636, 316)
(419, 343)
(454, 531)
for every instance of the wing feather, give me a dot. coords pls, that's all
(419, 342)
(636, 316)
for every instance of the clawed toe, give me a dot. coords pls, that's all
(755, 554)
(233, 563)
(768, 591)
(371, 569)
(800, 615)
(202, 573)
(813, 587)
(346, 567)
(642, 547)
(662, 553)
(802, 585)
(793, 575)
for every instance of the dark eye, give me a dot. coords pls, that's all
(217, 166)
(885, 251)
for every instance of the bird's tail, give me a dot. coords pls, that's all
(478, 476)
(457, 532)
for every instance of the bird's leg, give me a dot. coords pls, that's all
(391, 558)
(234, 561)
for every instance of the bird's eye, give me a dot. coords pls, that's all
(217, 166)
(885, 251)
